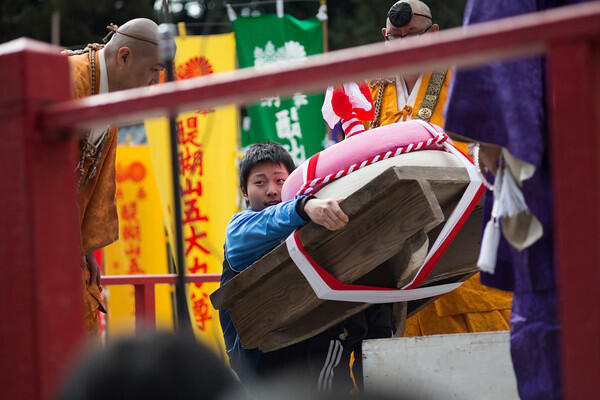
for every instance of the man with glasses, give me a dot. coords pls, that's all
(401, 98)
(472, 307)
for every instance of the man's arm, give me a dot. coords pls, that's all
(251, 234)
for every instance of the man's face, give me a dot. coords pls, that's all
(264, 185)
(141, 70)
(417, 25)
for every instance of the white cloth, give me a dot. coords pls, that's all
(404, 98)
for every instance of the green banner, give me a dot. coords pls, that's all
(295, 122)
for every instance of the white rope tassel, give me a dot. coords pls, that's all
(508, 202)
(491, 235)
(489, 247)
(512, 201)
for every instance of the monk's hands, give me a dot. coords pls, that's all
(89, 262)
(327, 213)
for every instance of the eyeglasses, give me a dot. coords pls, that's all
(389, 36)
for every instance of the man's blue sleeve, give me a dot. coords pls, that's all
(251, 234)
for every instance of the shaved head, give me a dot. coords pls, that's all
(408, 18)
(132, 56)
(140, 34)
(419, 7)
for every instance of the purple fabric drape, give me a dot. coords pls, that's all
(504, 103)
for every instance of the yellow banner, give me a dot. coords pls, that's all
(142, 245)
(207, 152)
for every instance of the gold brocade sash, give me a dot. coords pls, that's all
(432, 94)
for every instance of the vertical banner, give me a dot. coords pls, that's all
(207, 162)
(294, 122)
(142, 246)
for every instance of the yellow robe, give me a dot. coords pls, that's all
(98, 219)
(472, 307)
(390, 114)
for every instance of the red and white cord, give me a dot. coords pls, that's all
(309, 186)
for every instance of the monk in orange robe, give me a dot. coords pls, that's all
(472, 307)
(130, 59)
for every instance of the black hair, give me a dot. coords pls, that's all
(260, 152)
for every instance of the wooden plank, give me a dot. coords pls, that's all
(277, 327)
(460, 258)
(461, 255)
(374, 213)
(401, 267)
(373, 236)
(310, 234)
(458, 263)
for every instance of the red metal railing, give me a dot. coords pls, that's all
(503, 39)
(40, 246)
(143, 285)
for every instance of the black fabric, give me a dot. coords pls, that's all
(401, 13)
(229, 332)
(307, 360)
(309, 356)
(300, 207)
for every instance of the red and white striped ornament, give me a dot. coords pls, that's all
(349, 103)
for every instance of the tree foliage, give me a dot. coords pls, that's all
(81, 21)
(351, 22)
(356, 22)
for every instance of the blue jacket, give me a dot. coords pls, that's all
(249, 236)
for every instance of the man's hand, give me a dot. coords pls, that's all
(88, 261)
(488, 157)
(326, 213)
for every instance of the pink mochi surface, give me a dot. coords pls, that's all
(359, 148)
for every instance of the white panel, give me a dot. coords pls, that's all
(459, 366)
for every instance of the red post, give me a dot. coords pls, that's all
(145, 314)
(41, 295)
(574, 72)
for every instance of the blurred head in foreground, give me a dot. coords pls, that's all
(150, 366)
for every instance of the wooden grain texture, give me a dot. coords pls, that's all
(448, 185)
(457, 264)
(401, 267)
(387, 211)
(375, 234)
